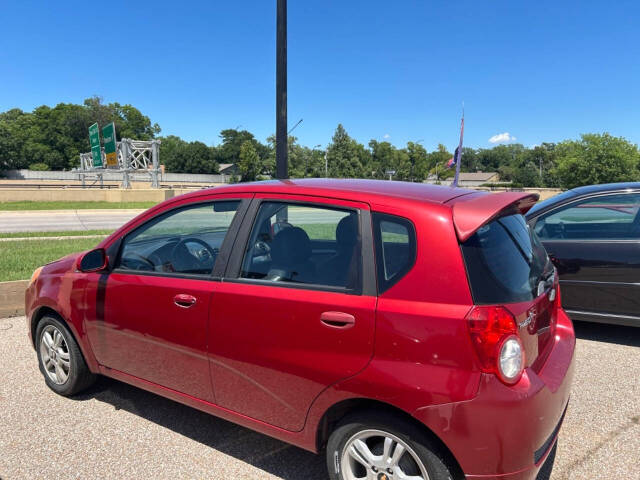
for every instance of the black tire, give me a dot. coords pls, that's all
(79, 375)
(411, 434)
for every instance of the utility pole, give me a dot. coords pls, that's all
(281, 92)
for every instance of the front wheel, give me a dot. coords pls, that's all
(60, 359)
(382, 447)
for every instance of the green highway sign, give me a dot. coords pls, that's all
(94, 135)
(96, 156)
(94, 139)
(109, 137)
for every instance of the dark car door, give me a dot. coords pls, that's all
(595, 243)
(152, 309)
(295, 312)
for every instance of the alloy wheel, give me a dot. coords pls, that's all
(379, 455)
(54, 355)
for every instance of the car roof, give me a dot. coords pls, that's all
(581, 192)
(376, 191)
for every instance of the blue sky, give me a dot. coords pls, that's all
(394, 70)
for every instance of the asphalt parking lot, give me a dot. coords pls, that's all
(116, 431)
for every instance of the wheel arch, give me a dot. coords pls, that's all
(339, 410)
(44, 310)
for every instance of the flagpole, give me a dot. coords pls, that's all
(458, 159)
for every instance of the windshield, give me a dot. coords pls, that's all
(505, 262)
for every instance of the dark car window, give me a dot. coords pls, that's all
(505, 262)
(395, 241)
(598, 218)
(308, 244)
(185, 241)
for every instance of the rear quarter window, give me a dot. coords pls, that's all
(395, 242)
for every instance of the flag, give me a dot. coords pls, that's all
(452, 161)
(458, 154)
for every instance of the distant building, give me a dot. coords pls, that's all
(228, 169)
(469, 179)
(475, 179)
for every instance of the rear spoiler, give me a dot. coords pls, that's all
(470, 212)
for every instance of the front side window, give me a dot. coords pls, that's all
(304, 244)
(184, 241)
(395, 240)
(607, 217)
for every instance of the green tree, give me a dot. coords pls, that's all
(170, 157)
(418, 160)
(597, 158)
(382, 159)
(250, 164)
(437, 162)
(544, 158)
(232, 141)
(345, 156)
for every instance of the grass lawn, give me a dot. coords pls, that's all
(66, 233)
(16, 206)
(18, 259)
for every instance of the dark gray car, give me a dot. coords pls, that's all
(592, 234)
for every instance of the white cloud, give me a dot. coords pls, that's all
(502, 138)
(386, 136)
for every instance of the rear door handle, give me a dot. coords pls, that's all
(184, 300)
(337, 320)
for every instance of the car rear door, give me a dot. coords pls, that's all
(292, 316)
(152, 309)
(595, 243)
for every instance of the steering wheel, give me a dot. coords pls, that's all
(178, 261)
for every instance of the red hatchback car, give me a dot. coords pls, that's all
(409, 331)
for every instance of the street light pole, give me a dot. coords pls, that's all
(281, 91)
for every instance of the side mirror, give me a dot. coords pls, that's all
(93, 261)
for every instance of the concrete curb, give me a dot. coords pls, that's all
(12, 298)
(80, 211)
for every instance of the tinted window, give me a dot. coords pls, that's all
(182, 241)
(505, 262)
(395, 248)
(304, 244)
(603, 217)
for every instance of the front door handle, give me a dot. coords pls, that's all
(337, 320)
(184, 300)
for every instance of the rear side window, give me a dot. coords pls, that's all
(305, 244)
(505, 262)
(395, 240)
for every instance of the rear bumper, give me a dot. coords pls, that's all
(506, 432)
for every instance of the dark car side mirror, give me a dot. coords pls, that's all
(93, 261)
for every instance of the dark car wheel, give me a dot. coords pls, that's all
(60, 359)
(382, 447)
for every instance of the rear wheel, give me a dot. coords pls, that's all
(60, 359)
(382, 447)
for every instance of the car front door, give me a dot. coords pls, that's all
(152, 309)
(295, 311)
(595, 243)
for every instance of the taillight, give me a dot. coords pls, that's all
(494, 335)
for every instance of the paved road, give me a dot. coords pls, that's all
(116, 431)
(59, 220)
